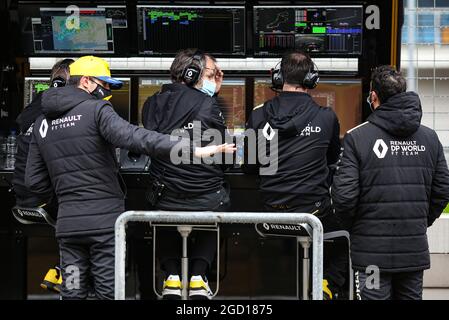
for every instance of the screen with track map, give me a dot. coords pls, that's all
(318, 30)
(57, 31)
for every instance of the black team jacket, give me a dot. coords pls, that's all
(391, 183)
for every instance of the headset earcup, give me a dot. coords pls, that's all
(277, 79)
(191, 75)
(311, 80)
(58, 82)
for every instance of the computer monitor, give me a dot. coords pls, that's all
(147, 88)
(118, 15)
(55, 31)
(232, 102)
(320, 30)
(121, 99)
(33, 86)
(164, 30)
(344, 96)
(231, 98)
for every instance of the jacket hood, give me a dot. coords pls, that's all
(57, 101)
(290, 112)
(165, 104)
(400, 115)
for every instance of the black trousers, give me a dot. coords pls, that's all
(336, 253)
(202, 244)
(390, 286)
(87, 261)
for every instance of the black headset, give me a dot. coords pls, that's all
(310, 81)
(191, 74)
(58, 82)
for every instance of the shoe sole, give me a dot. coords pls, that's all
(171, 294)
(199, 294)
(50, 286)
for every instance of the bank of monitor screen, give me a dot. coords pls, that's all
(147, 88)
(219, 30)
(320, 30)
(33, 86)
(58, 30)
(231, 98)
(344, 96)
(120, 98)
(232, 102)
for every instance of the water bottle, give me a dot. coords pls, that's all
(11, 150)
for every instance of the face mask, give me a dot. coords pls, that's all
(101, 92)
(208, 87)
(368, 99)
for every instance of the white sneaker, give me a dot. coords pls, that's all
(199, 288)
(171, 290)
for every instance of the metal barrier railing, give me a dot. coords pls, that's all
(184, 230)
(189, 217)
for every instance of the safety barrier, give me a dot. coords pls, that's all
(188, 217)
(185, 231)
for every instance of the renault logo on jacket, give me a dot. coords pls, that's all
(380, 148)
(43, 128)
(268, 132)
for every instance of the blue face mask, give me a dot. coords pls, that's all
(208, 87)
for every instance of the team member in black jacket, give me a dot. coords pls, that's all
(392, 182)
(308, 143)
(188, 102)
(60, 74)
(73, 150)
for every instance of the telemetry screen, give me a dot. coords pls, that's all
(319, 30)
(216, 30)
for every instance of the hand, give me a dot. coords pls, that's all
(218, 79)
(211, 150)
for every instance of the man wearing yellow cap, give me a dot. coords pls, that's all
(73, 149)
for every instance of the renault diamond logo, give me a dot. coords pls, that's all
(380, 148)
(43, 128)
(268, 132)
(266, 226)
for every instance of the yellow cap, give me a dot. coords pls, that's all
(94, 67)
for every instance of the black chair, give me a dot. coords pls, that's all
(32, 216)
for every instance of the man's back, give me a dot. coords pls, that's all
(75, 142)
(80, 162)
(388, 169)
(25, 121)
(308, 134)
(175, 108)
